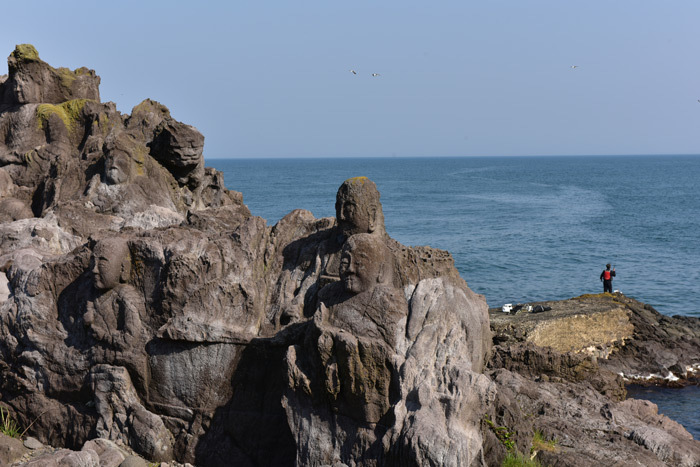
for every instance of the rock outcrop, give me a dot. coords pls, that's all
(569, 366)
(142, 303)
(619, 334)
(32, 81)
(144, 309)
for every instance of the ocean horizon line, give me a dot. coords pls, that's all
(248, 158)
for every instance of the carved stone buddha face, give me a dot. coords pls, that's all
(118, 159)
(110, 263)
(365, 262)
(357, 207)
(117, 168)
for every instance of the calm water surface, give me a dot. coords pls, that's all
(520, 228)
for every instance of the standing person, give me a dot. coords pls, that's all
(606, 276)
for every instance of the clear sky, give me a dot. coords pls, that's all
(457, 78)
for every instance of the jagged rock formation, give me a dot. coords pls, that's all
(142, 304)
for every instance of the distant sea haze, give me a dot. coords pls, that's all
(520, 229)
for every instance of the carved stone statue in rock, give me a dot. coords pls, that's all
(349, 358)
(113, 317)
(142, 301)
(358, 210)
(369, 305)
(367, 354)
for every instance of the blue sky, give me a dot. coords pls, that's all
(457, 78)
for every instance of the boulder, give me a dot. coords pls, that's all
(66, 458)
(11, 449)
(110, 454)
(179, 148)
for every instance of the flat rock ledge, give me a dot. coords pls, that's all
(620, 334)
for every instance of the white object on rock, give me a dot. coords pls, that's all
(507, 308)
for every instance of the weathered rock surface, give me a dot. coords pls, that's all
(142, 305)
(98, 452)
(144, 309)
(32, 81)
(11, 449)
(568, 367)
(624, 336)
(589, 428)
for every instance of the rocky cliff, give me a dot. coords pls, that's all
(143, 305)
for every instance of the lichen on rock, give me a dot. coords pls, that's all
(69, 112)
(25, 52)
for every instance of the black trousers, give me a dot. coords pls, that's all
(607, 285)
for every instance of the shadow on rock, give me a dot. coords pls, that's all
(252, 428)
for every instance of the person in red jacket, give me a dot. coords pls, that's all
(606, 276)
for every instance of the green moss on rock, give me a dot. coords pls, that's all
(147, 105)
(67, 77)
(101, 125)
(69, 113)
(140, 153)
(357, 180)
(28, 156)
(25, 52)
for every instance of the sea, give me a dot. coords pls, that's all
(521, 229)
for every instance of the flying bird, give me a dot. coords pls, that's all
(574, 66)
(376, 74)
(353, 72)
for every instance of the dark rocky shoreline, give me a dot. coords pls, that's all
(573, 363)
(624, 336)
(146, 314)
